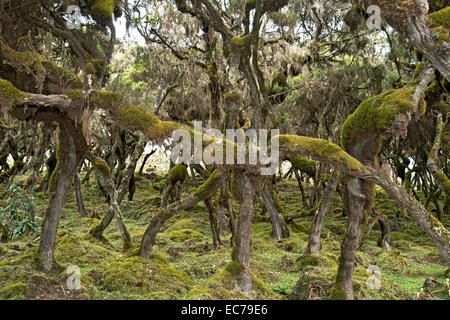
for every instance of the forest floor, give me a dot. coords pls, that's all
(185, 266)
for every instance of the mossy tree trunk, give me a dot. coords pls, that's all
(279, 227)
(78, 193)
(38, 157)
(246, 188)
(114, 207)
(205, 191)
(213, 222)
(313, 247)
(128, 173)
(69, 155)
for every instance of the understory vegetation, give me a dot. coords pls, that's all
(116, 180)
(184, 264)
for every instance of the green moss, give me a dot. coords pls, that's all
(305, 165)
(443, 181)
(204, 190)
(139, 275)
(279, 80)
(234, 268)
(182, 235)
(232, 96)
(15, 290)
(293, 146)
(310, 260)
(241, 41)
(138, 118)
(104, 99)
(36, 64)
(177, 173)
(337, 293)
(73, 249)
(64, 76)
(89, 68)
(376, 115)
(102, 10)
(76, 96)
(440, 18)
(9, 95)
(102, 166)
(445, 139)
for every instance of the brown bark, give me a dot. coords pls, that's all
(128, 173)
(279, 228)
(114, 211)
(70, 154)
(313, 247)
(78, 194)
(213, 222)
(247, 189)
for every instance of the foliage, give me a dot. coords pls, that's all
(17, 216)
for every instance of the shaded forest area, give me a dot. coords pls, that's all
(92, 206)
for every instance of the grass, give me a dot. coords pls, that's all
(184, 264)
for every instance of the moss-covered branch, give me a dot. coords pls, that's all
(433, 160)
(206, 190)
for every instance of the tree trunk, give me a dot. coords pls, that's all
(78, 194)
(213, 223)
(114, 210)
(148, 155)
(313, 247)
(205, 191)
(241, 255)
(59, 185)
(300, 185)
(356, 203)
(279, 228)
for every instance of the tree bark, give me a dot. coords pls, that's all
(279, 228)
(241, 255)
(114, 211)
(61, 179)
(78, 194)
(313, 247)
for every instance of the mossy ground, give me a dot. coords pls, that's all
(184, 264)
